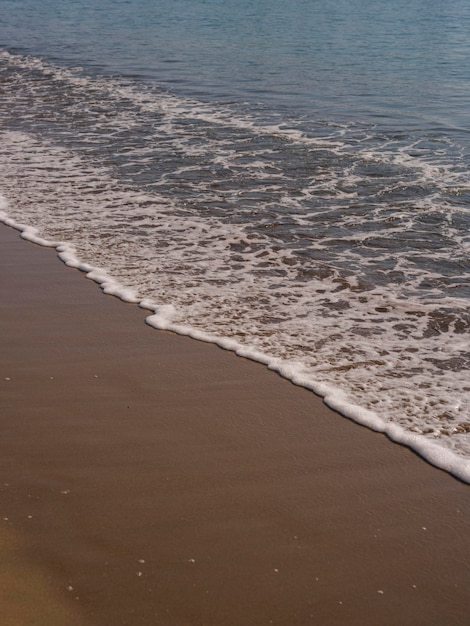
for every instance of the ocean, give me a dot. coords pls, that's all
(287, 180)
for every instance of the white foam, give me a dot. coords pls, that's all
(335, 398)
(372, 350)
(67, 254)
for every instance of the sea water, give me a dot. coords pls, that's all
(288, 180)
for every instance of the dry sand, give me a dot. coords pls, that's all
(148, 478)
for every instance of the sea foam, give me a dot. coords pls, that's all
(161, 318)
(336, 258)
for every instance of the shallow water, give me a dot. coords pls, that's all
(291, 183)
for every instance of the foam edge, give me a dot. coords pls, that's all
(161, 319)
(334, 398)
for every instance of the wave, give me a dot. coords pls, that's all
(337, 255)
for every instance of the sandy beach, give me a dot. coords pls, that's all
(147, 478)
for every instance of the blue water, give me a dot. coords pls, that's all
(289, 180)
(403, 63)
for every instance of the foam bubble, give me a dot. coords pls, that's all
(277, 241)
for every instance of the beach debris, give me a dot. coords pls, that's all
(140, 560)
(191, 560)
(140, 573)
(69, 588)
(7, 378)
(380, 591)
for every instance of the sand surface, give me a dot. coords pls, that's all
(148, 478)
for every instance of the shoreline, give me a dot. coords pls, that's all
(440, 457)
(151, 478)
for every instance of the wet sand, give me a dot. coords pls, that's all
(148, 478)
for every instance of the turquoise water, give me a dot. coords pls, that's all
(290, 181)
